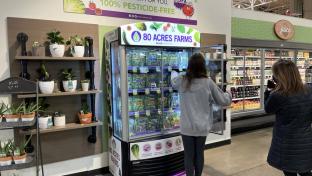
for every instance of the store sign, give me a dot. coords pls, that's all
(153, 149)
(284, 30)
(115, 157)
(175, 11)
(159, 34)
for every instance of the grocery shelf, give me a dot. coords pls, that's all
(147, 91)
(154, 111)
(272, 57)
(237, 56)
(20, 123)
(57, 94)
(253, 57)
(246, 98)
(29, 163)
(39, 58)
(67, 127)
(147, 69)
(250, 85)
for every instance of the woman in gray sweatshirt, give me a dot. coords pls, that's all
(197, 93)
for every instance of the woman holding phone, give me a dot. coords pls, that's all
(197, 92)
(291, 101)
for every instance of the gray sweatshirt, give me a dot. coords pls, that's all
(196, 104)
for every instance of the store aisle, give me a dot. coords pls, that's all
(246, 156)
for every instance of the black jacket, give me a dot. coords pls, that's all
(291, 148)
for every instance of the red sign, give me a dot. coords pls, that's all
(284, 30)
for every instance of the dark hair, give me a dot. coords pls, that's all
(287, 78)
(196, 68)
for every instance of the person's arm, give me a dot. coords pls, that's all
(176, 79)
(220, 97)
(272, 103)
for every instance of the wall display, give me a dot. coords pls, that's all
(157, 148)
(284, 30)
(160, 34)
(176, 11)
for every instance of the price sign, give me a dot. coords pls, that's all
(158, 90)
(157, 69)
(144, 70)
(134, 69)
(136, 114)
(135, 92)
(147, 91)
(148, 113)
(180, 69)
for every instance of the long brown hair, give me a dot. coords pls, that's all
(287, 77)
(196, 68)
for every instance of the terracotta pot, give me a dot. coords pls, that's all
(20, 159)
(85, 118)
(28, 117)
(12, 117)
(5, 161)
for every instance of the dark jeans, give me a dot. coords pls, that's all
(193, 154)
(295, 174)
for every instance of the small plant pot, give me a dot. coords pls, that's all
(60, 120)
(57, 50)
(1, 118)
(5, 161)
(85, 118)
(85, 86)
(78, 51)
(45, 122)
(20, 159)
(46, 87)
(12, 117)
(28, 117)
(70, 85)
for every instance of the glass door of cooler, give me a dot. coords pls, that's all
(153, 105)
(246, 80)
(216, 67)
(303, 62)
(270, 57)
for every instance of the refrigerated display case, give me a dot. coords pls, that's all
(145, 113)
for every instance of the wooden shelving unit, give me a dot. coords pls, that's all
(69, 126)
(49, 58)
(58, 94)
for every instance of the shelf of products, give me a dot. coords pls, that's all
(57, 94)
(49, 58)
(68, 126)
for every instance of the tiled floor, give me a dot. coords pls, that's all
(246, 156)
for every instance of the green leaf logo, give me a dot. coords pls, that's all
(197, 37)
(141, 26)
(181, 28)
(190, 31)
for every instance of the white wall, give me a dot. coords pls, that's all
(270, 17)
(214, 17)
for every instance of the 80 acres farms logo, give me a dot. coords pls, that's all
(186, 6)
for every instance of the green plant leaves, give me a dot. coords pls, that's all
(135, 149)
(141, 26)
(181, 28)
(156, 26)
(197, 37)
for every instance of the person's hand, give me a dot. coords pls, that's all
(271, 84)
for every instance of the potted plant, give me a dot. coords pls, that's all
(59, 119)
(46, 85)
(85, 85)
(76, 44)
(29, 112)
(45, 119)
(69, 84)
(57, 47)
(2, 111)
(13, 113)
(85, 116)
(5, 154)
(18, 152)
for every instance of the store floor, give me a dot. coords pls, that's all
(246, 156)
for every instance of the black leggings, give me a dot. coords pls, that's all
(295, 174)
(194, 154)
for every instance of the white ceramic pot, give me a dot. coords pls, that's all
(60, 120)
(57, 50)
(78, 51)
(85, 86)
(70, 85)
(12, 119)
(20, 159)
(46, 87)
(45, 122)
(6, 162)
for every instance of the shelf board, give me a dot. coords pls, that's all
(29, 163)
(272, 57)
(67, 127)
(253, 56)
(41, 58)
(250, 85)
(57, 94)
(4, 124)
(246, 98)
